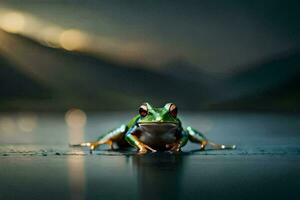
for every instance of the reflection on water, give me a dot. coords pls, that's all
(267, 156)
(76, 177)
(76, 120)
(110, 177)
(157, 174)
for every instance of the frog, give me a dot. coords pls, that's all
(154, 129)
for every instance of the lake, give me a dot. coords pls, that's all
(36, 162)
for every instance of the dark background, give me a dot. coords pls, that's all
(113, 55)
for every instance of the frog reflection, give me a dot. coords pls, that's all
(159, 175)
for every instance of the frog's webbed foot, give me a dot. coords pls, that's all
(94, 145)
(143, 148)
(91, 145)
(203, 145)
(198, 137)
(109, 138)
(174, 147)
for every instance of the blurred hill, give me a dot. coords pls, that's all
(212, 84)
(59, 79)
(271, 84)
(18, 87)
(86, 81)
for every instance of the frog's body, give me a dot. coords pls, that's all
(154, 129)
(157, 136)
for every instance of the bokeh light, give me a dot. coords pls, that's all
(7, 125)
(75, 118)
(27, 123)
(50, 36)
(13, 22)
(72, 39)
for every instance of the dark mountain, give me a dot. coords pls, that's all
(16, 86)
(86, 81)
(78, 79)
(272, 84)
(181, 69)
(270, 73)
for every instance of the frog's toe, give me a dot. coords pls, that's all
(143, 151)
(149, 148)
(175, 150)
(175, 147)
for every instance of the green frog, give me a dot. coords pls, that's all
(154, 129)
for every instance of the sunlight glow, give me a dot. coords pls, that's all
(75, 118)
(27, 123)
(72, 39)
(13, 22)
(76, 177)
(50, 36)
(7, 125)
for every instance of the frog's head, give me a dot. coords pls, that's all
(164, 115)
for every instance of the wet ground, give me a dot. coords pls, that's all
(36, 162)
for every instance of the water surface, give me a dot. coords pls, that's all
(36, 162)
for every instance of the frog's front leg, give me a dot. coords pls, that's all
(109, 138)
(132, 138)
(197, 137)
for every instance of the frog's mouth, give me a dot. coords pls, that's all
(171, 124)
(159, 127)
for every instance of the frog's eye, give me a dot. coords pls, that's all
(143, 110)
(173, 110)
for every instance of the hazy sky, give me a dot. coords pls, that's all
(214, 35)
